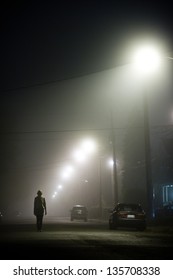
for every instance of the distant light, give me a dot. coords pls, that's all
(65, 175)
(69, 169)
(80, 156)
(110, 162)
(88, 145)
(59, 187)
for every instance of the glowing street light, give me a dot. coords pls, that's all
(147, 60)
(69, 169)
(59, 187)
(88, 146)
(54, 195)
(80, 156)
(111, 162)
(65, 175)
(67, 172)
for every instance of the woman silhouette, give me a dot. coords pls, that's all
(39, 209)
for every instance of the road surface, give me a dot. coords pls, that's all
(62, 239)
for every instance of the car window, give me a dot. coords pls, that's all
(129, 208)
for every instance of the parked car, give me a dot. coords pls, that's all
(127, 215)
(79, 212)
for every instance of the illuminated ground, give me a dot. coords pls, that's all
(62, 239)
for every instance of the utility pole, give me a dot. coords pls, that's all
(100, 187)
(115, 179)
(148, 167)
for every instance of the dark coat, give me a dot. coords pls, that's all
(39, 206)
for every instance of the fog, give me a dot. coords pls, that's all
(42, 125)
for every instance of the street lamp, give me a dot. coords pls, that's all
(85, 148)
(147, 60)
(88, 146)
(115, 177)
(80, 156)
(67, 172)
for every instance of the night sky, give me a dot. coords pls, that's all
(46, 41)
(58, 60)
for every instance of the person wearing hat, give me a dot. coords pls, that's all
(39, 209)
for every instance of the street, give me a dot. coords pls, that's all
(63, 239)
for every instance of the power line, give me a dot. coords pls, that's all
(54, 131)
(83, 130)
(74, 76)
(62, 79)
(53, 81)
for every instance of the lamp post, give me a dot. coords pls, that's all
(148, 59)
(148, 166)
(87, 147)
(115, 179)
(100, 187)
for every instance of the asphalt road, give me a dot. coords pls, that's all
(62, 239)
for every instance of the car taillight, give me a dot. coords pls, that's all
(140, 215)
(122, 215)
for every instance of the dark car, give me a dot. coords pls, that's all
(127, 215)
(79, 212)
